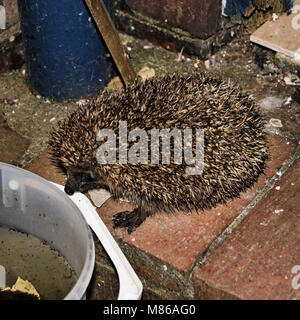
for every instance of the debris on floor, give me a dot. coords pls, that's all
(276, 123)
(270, 103)
(296, 95)
(99, 196)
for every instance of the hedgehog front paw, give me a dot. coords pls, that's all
(128, 219)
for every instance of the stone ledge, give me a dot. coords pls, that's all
(152, 31)
(201, 18)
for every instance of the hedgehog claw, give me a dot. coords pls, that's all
(127, 219)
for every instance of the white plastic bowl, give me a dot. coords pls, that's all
(33, 205)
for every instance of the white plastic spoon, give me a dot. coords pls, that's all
(131, 287)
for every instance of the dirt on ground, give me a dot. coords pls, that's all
(273, 84)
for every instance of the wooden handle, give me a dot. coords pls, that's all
(112, 39)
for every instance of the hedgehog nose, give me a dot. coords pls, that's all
(69, 190)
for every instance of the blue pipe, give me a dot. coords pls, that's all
(65, 55)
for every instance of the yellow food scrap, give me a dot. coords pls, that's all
(21, 289)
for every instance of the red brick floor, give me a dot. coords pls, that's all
(254, 262)
(44, 167)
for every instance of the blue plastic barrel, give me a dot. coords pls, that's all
(65, 55)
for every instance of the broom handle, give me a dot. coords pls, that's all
(112, 39)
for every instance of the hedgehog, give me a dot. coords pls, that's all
(234, 151)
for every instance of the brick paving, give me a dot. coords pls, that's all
(254, 262)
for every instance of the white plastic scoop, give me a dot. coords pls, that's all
(131, 287)
(2, 277)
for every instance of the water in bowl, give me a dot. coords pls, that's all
(34, 260)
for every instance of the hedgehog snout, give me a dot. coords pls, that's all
(81, 181)
(68, 190)
(71, 185)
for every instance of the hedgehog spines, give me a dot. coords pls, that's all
(235, 151)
